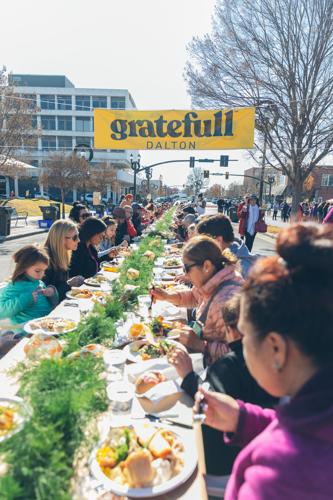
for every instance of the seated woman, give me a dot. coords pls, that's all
(26, 297)
(107, 248)
(62, 240)
(215, 279)
(85, 261)
(79, 213)
(228, 375)
(286, 318)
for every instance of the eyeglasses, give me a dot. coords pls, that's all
(74, 238)
(85, 215)
(188, 267)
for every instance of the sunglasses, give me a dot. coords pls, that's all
(85, 215)
(74, 238)
(188, 267)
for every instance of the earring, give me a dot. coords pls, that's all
(277, 367)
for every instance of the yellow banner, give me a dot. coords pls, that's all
(208, 129)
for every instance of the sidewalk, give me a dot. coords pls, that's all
(22, 229)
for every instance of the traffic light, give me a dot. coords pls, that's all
(206, 174)
(226, 176)
(224, 160)
(192, 161)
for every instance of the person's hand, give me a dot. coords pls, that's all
(49, 291)
(159, 294)
(190, 339)
(221, 410)
(113, 253)
(75, 281)
(35, 295)
(182, 362)
(182, 278)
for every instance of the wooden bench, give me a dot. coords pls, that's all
(15, 215)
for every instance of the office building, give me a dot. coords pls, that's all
(64, 119)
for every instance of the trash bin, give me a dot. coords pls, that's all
(58, 207)
(5, 213)
(49, 212)
(233, 214)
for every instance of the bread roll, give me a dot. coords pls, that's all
(148, 380)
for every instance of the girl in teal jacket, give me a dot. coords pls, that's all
(26, 297)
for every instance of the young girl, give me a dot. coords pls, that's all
(26, 297)
(107, 246)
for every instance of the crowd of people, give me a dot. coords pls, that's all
(73, 251)
(267, 348)
(263, 326)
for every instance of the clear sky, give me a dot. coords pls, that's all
(135, 44)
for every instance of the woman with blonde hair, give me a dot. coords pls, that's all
(62, 240)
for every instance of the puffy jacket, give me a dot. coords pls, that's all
(213, 330)
(17, 304)
(290, 451)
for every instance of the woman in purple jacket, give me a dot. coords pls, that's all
(286, 320)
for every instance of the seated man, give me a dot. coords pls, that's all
(220, 228)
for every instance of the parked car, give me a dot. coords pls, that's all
(44, 196)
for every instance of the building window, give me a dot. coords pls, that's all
(327, 180)
(31, 100)
(83, 140)
(49, 143)
(48, 122)
(64, 102)
(99, 102)
(47, 101)
(118, 102)
(83, 124)
(34, 122)
(82, 103)
(64, 123)
(65, 143)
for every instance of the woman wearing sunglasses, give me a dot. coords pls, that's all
(215, 279)
(79, 213)
(85, 260)
(62, 240)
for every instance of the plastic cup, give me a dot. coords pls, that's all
(121, 396)
(114, 363)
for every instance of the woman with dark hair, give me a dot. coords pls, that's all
(286, 319)
(215, 279)
(249, 213)
(79, 213)
(85, 261)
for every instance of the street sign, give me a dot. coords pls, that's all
(224, 160)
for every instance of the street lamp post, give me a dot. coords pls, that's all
(271, 180)
(135, 166)
(149, 175)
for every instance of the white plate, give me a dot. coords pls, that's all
(190, 463)
(27, 327)
(21, 416)
(136, 357)
(70, 296)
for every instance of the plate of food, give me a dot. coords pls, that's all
(96, 280)
(172, 263)
(86, 293)
(144, 350)
(162, 328)
(144, 460)
(14, 412)
(50, 326)
(170, 275)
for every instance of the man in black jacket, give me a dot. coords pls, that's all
(228, 375)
